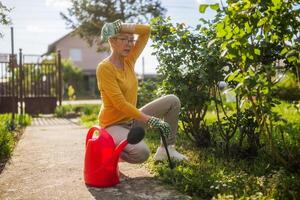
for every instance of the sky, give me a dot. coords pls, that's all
(37, 23)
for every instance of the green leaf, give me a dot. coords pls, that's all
(244, 58)
(250, 56)
(224, 45)
(228, 35)
(262, 21)
(291, 53)
(215, 6)
(274, 37)
(283, 51)
(232, 75)
(236, 30)
(292, 58)
(248, 28)
(202, 8)
(220, 26)
(221, 33)
(257, 51)
(231, 56)
(276, 2)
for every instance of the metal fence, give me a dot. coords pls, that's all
(30, 85)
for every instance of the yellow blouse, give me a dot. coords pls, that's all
(118, 87)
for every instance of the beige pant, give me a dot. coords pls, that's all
(166, 108)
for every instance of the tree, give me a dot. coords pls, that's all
(4, 19)
(88, 17)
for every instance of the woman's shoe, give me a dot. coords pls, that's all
(161, 154)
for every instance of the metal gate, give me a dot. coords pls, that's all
(30, 84)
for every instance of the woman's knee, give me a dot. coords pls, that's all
(143, 155)
(139, 154)
(118, 133)
(174, 100)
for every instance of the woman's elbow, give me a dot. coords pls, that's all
(148, 29)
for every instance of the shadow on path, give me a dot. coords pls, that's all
(135, 189)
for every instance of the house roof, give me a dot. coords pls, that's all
(51, 47)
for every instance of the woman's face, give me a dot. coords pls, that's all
(122, 43)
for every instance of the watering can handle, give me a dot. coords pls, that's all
(91, 132)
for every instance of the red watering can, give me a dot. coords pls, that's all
(102, 156)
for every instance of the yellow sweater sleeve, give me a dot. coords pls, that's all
(144, 32)
(110, 88)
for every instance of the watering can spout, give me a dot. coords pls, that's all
(135, 135)
(119, 149)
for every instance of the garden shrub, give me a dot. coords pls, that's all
(6, 142)
(189, 70)
(147, 92)
(9, 131)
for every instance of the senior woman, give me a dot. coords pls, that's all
(118, 86)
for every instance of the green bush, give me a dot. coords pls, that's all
(88, 113)
(91, 109)
(6, 142)
(89, 120)
(76, 110)
(61, 111)
(146, 92)
(8, 132)
(189, 69)
(19, 121)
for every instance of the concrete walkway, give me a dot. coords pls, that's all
(80, 102)
(47, 163)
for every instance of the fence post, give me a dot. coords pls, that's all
(13, 73)
(59, 77)
(21, 77)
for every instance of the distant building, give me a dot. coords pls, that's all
(82, 55)
(4, 57)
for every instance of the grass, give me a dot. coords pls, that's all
(210, 175)
(88, 113)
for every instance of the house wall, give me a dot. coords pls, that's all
(89, 55)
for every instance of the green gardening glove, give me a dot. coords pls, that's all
(164, 127)
(110, 29)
